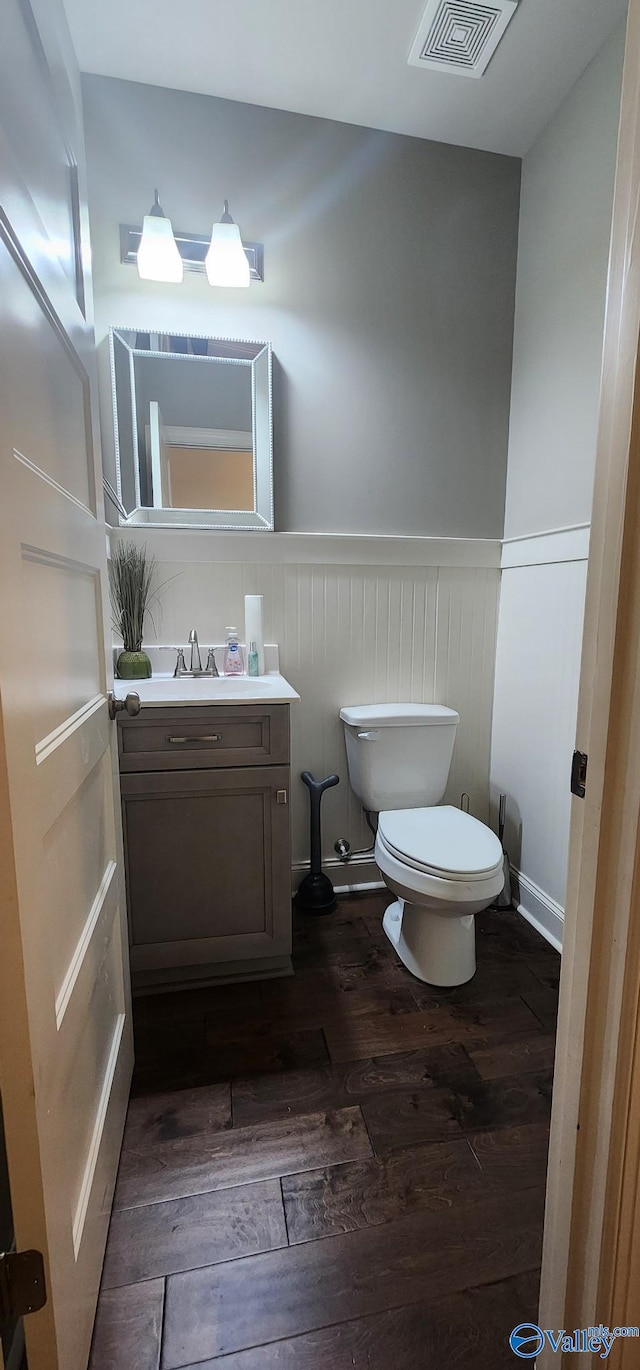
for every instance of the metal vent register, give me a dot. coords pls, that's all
(460, 35)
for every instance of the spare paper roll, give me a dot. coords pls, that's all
(253, 627)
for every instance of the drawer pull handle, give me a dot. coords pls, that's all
(203, 737)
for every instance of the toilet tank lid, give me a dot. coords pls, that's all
(397, 715)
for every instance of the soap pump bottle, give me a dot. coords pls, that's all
(233, 663)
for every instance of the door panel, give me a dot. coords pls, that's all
(79, 853)
(56, 433)
(60, 599)
(65, 1040)
(42, 126)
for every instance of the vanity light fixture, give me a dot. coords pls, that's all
(158, 257)
(226, 261)
(194, 250)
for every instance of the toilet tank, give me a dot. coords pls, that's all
(399, 754)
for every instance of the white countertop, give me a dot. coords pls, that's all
(167, 689)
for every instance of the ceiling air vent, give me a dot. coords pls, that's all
(460, 35)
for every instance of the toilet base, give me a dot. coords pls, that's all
(439, 949)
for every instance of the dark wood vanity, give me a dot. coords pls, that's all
(205, 799)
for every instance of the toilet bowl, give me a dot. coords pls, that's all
(444, 865)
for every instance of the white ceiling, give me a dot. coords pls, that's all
(347, 60)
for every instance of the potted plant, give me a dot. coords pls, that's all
(131, 577)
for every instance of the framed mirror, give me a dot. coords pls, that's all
(193, 429)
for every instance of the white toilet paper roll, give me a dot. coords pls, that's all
(253, 627)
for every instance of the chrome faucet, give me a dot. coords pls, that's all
(195, 667)
(196, 659)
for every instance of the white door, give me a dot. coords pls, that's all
(65, 1042)
(160, 454)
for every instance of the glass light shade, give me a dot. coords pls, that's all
(226, 261)
(158, 255)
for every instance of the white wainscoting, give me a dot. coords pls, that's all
(361, 629)
(535, 707)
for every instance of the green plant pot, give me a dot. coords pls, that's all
(133, 666)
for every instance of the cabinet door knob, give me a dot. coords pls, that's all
(281, 796)
(131, 704)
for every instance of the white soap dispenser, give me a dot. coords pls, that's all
(233, 663)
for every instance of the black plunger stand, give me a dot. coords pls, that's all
(315, 893)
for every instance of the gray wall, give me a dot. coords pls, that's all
(389, 292)
(565, 226)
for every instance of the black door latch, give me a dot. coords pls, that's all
(579, 774)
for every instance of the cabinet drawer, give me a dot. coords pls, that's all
(207, 736)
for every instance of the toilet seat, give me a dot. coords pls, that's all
(442, 842)
(448, 894)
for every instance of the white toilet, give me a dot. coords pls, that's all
(443, 864)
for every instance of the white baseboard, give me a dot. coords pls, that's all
(539, 909)
(361, 874)
(361, 887)
(347, 877)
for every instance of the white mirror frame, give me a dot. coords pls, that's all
(240, 520)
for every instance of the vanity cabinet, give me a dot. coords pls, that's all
(205, 796)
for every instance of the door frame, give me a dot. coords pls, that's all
(590, 1245)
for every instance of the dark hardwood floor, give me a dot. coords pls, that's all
(345, 1168)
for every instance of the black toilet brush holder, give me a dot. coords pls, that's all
(316, 894)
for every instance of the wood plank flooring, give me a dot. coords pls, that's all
(344, 1168)
(197, 1164)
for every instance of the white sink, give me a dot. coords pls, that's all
(167, 689)
(223, 683)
